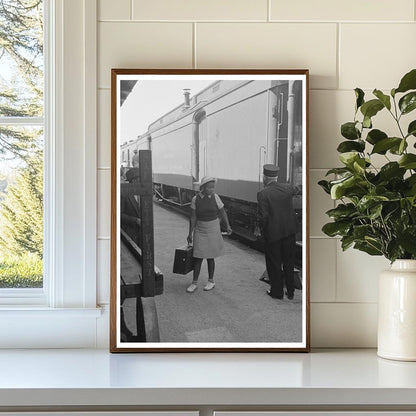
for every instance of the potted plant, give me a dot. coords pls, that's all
(376, 207)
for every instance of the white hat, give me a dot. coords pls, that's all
(205, 180)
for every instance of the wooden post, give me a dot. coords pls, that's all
(146, 229)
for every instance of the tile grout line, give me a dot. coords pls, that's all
(310, 89)
(323, 237)
(307, 22)
(336, 272)
(269, 10)
(194, 45)
(355, 302)
(338, 63)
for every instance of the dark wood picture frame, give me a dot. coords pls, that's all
(151, 283)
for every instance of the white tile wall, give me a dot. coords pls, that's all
(367, 51)
(200, 10)
(142, 45)
(104, 128)
(345, 44)
(341, 10)
(104, 202)
(114, 10)
(103, 271)
(328, 109)
(344, 325)
(323, 269)
(271, 45)
(357, 275)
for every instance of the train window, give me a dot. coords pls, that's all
(22, 127)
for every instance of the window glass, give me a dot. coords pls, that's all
(21, 143)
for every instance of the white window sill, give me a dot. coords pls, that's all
(40, 327)
(36, 312)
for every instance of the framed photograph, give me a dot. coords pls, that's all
(209, 211)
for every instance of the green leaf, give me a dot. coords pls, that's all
(338, 171)
(349, 131)
(408, 102)
(348, 158)
(391, 170)
(349, 146)
(411, 180)
(371, 108)
(368, 248)
(367, 122)
(359, 94)
(385, 99)
(393, 92)
(346, 242)
(383, 145)
(411, 130)
(359, 165)
(338, 189)
(408, 82)
(369, 201)
(407, 240)
(393, 250)
(336, 228)
(398, 149)
(408, 161)
(342, 211)
(325, 186)
(375, 136)
(375, 243)
(359, 232)
(375, 211)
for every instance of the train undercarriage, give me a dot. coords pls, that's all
(242, 215)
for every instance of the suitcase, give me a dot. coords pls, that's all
(184, 261)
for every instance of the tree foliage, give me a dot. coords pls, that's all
(376, 211)
(21, 224)
(21, 95)
(21, 85)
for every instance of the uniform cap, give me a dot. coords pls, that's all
(206, 179)
(271, 171)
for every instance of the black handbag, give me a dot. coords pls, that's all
(184, 260)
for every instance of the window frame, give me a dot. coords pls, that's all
(36, 296)
(68, 298)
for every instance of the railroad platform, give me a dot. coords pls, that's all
(236, 310)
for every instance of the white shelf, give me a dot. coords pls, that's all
(57, 378)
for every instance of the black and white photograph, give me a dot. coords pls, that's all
(209, 210)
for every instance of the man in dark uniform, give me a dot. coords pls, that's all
(278, 223)
(130, 208)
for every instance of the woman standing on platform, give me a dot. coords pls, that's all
(205, 231)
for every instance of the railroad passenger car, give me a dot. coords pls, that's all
(229, 131)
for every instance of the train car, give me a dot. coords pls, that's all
(127, 153)
(229, 131)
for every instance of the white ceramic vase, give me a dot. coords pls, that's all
(397, 312)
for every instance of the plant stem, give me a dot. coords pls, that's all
(397, 118)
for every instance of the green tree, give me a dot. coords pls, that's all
(21, 95)
(21, 80)
(21, 212)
